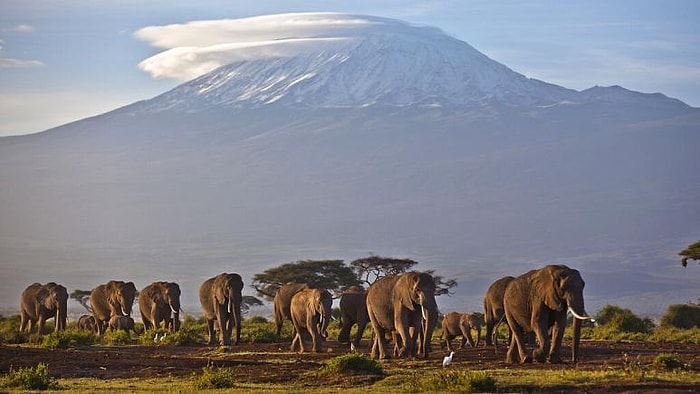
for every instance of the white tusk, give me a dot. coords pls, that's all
(576, 315)
(425, 317)
(172, 314)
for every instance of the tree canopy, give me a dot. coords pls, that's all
(692, 252)
(83, 298)
(332, 275)
(371, 268)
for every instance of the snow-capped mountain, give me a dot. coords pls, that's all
(383, 62)
(349, 135)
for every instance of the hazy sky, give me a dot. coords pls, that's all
(62, 61)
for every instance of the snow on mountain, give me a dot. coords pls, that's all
(378, 62)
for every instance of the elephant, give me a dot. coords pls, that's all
(282, 302)
(115, 297)
(406, 304)
(87, 323)
(221, 298)
(42, 302)
(311, 312)
(353, 310)
(455, 324)
(539, 300)
(493, 306)
(159, 303)
(125, 323)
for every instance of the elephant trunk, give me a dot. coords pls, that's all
(576, 340)
(430, 315)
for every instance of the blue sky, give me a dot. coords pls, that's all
(64, 61)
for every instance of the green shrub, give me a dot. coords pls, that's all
(258, 332)
(352, 363)
(623, 320)
(668, 361)
(68, 338)
(255, 320)
(31, 378)
(9, 330)
(682, 316)
(117, 337)
(452, 380)
(221, 378)
(187, 335)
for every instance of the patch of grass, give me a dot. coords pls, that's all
(668, 361)
(9, 330)
(256, 331)
(352, 363)
(451, 380)
(117, 337)
(220, 378)
(68, 338)
(30, 378)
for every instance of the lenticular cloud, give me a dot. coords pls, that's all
(195, 48)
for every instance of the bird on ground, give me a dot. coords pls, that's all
(156, 339)
(352, 347)
(448, 359)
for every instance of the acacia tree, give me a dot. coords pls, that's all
(692, 252)
(332, 275)
(372, 268)
(83, 298)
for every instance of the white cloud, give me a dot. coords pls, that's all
(21, 28)
(195, 48)
(6, 62)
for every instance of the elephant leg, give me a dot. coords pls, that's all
(540, 353)
(554, 356)
(210, 329)
(24, 322)
(448, 342)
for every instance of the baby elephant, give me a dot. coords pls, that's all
(125, 323)
(87, 323)
(455, 324)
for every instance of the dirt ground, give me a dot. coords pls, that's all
(273, 363)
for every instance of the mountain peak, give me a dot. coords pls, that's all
(356, 61)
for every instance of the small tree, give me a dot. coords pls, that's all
(692, 252)
(372, 268)
(83, 298)
(332, 275)
(682, 316)
(249, 302)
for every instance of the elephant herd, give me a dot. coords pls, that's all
(401, 307)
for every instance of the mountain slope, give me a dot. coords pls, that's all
(404, 143)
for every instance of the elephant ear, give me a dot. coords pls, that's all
(549, 282)
(406, 286)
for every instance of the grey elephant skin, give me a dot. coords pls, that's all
(493, 306)
(39, 303)
(456, 324)
(114, 298)
(159, 304)
(87, 323)
(283, 301)
(405, 304)
(353, 310)
(221, 298)
(311, 312)
(539, 300)
(125, 323)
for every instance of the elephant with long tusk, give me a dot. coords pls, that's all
(539, 300)
(221, 299)
(159, 304)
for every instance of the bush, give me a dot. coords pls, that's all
(68, 338)
(9, 330)
(352, 363)
(31, 378)
(623, 320)
(258, 332)
(682, 316)
(187, 335)
(255, 320)
(668, 361)
(117, 337)
(453, 380)
(221, 378)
